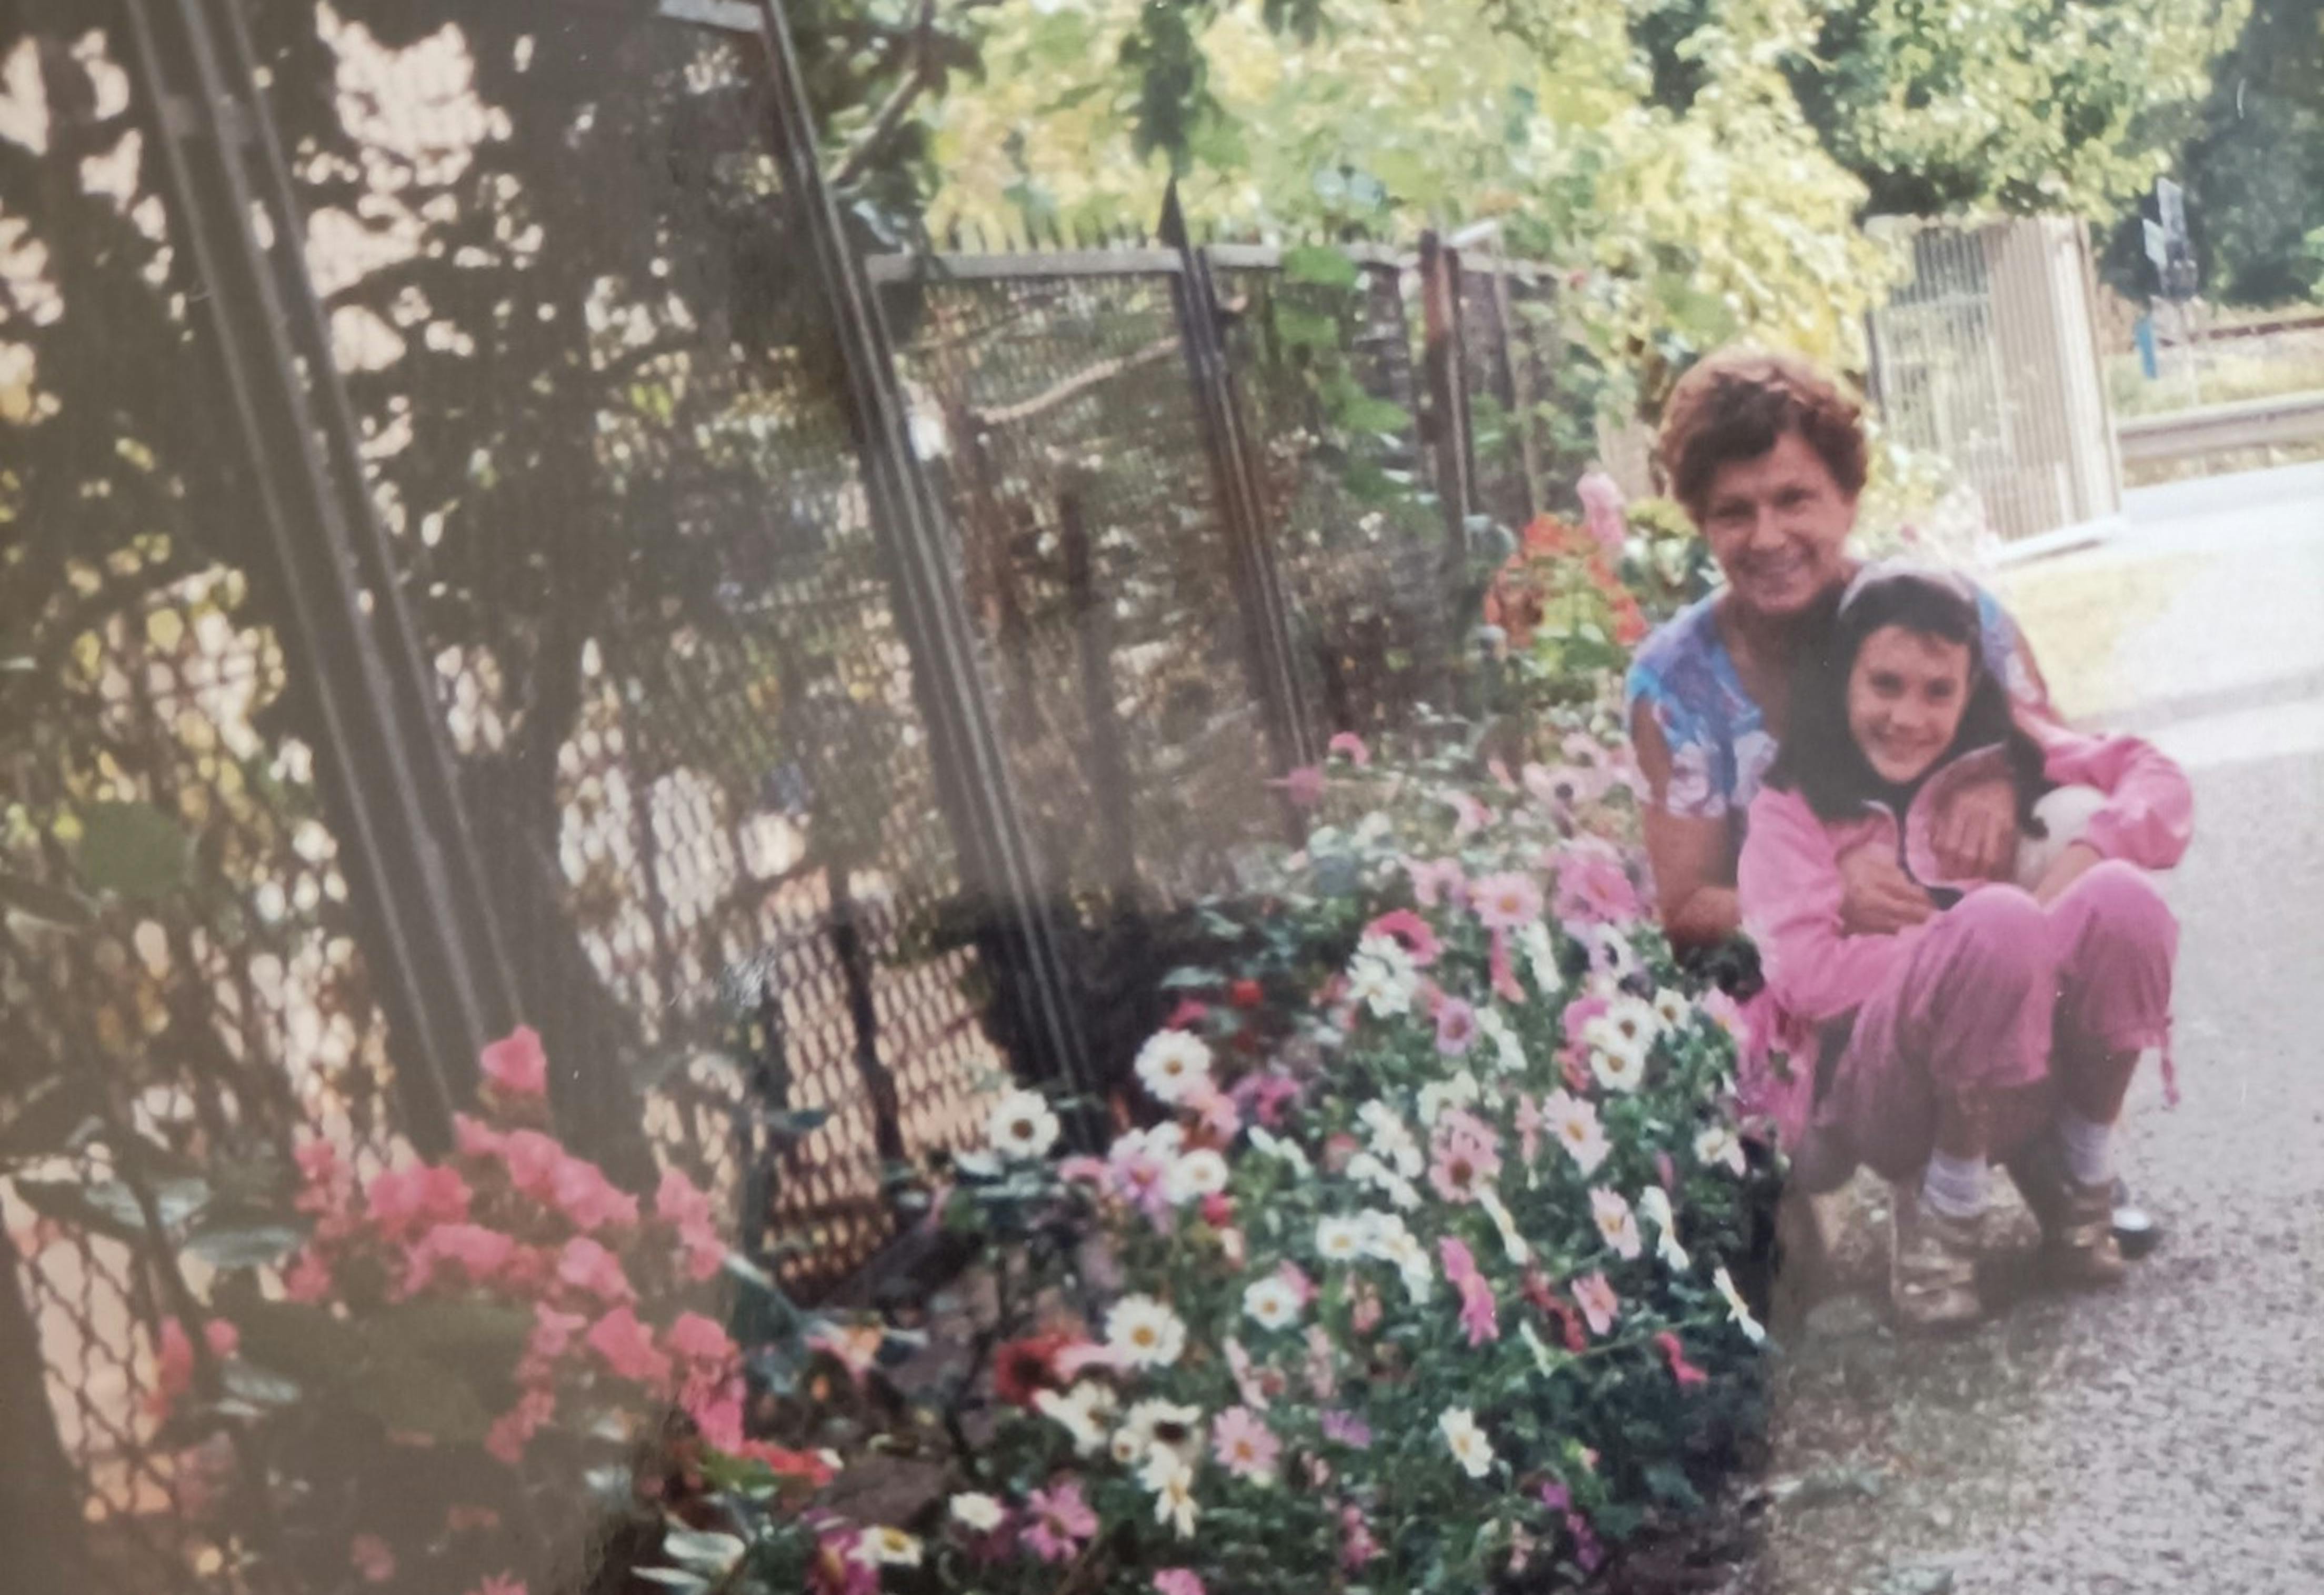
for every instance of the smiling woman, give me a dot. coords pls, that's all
(1767, 455)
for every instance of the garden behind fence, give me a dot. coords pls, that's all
(483, 544)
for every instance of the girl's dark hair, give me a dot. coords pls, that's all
(1819, 758)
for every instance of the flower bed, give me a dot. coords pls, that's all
(1403, 1265)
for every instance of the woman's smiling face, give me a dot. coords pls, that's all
(1906, 693)
(1776, 524)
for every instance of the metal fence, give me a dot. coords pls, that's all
(530, 597)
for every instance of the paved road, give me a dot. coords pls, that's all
(2169, 1436)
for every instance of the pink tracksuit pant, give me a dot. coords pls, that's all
(2001, 994)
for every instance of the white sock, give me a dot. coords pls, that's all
(1954, 1187)
(2088, 1147)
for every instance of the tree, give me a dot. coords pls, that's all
(2254, 167)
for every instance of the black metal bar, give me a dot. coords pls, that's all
(431, 940)
(1109, 760)
(1258, 589)
(998, 872)
(864, 1014)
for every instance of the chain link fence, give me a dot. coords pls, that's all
(589, 437)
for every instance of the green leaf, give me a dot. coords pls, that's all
(713, 1554)
(133, 851)
(415, 1395)
(672, 1578)
(1364, 413)
(249, 1245)
(1321, 264)
(109, 1207)
(258, 1387)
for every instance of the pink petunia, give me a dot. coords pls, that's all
(627, 1349)
(513, 1430)
(1598, 1302)
(678, 1200)
(588, 1266)
(1417, 935)
(586, 1196)
(404, 1201)
(1506, 901)
(698, 1339)
(553, 1333)
(1593, 888)
(516, 1065)
(1479, 1317)
(1245, 1446)
(473, 1137)
(1674, 1352)
(480, 1254)
(1057, 1522)
(1437, 881)
(1264, 1094)
(1456, 1028)
(533, 1159)
(1348, 745)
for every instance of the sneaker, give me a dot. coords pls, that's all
(2079, 1245)
(1932, 1265)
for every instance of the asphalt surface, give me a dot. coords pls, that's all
(2167, 1437)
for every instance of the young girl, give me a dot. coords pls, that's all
(2007, 1023)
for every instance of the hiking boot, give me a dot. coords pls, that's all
(1932, 1266)
(2079, 1246)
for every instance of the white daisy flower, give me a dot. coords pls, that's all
(1737, 1308)
(1508, 1053)
(1173, 1063)
(977, 1512)
(1654, 1207)
(1573, 1120)
(1506, 1223)
(1456, 1091)
(1611, 952)
(887, 1548)
(1200, 1172)
(1144, 1332)
(1074, 1413)
(1616, 1067)
(1391, 955)
(1391, 1138)
(1617, 1226)
(1268, 1144)
(1540, 954)
(1021, 1125)
(1272, 1302)
(1339, 1240)
(1167, 1424)
(1410, 1260)
(1719, 1146)
(1672, 1008)
(1171, 1477)
(1371, 986)
(1468, 1444)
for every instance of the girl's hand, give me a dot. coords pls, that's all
(1878, 897)
(1975, 833)
(2070, 866)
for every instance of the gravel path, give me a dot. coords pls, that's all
(2168, 1437)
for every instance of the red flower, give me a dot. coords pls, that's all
(1675, 1353)
(1246, 994)
(1022, 1369)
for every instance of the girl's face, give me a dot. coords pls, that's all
(1906, 697)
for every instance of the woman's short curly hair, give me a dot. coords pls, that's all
(1734, 405)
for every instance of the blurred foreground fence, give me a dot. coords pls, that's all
(473, 555)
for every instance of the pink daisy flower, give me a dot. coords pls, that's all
(1058, 1522)
(1245, 1446)
(1506, 901)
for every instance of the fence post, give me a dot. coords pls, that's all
(1446, 384)
(997, 871)
(1109, 762)
(1258, 587)
(320, 554)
